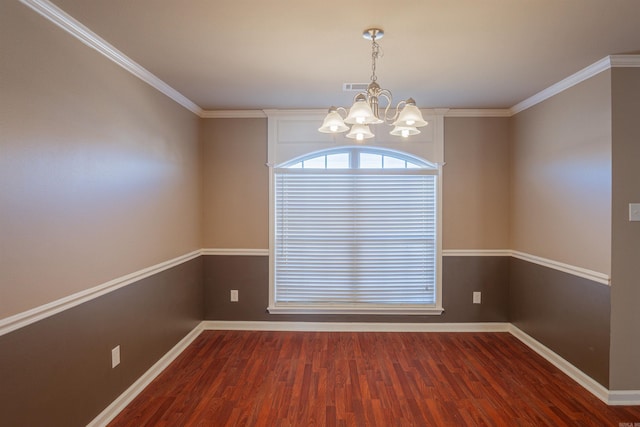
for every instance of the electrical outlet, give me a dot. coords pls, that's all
(477, 297)
(634, 211)
(115, 356)
(234, 295)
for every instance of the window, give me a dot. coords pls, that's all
(355, 231)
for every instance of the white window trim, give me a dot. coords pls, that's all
(283, 127)
(343, 309)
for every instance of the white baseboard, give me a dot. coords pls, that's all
(111, 411)
(610, 397)
(624, 398)
(355, 326)
(574, 373)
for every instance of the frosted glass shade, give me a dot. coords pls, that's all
(404, 131)
(360, 113)
(410, 116)
(333, 123)
(360, 132)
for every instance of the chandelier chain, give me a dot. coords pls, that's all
(375, 53)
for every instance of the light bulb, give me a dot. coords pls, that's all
(333, 128)
(411, 122)
(360, 120)
(405, 133)
(359, 137)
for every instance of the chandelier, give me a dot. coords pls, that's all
(366, 110)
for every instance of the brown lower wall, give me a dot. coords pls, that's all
(568, 314)
(57, 372)
(461, 277)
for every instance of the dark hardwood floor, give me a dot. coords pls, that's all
(244, 378)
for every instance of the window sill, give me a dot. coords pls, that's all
(378, 310)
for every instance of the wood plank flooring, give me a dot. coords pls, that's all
(246, 378)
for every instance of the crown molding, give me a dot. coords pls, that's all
(562, 85)
(298, 113)
(94, 41)
(233, 114)
(627, 61)
(74, 27)
(582, 75)
(478, 112)
(452, 112)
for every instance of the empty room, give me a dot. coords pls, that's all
(291, 213)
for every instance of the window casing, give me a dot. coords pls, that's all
(355, 231)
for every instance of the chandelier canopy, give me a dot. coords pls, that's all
(366, 110)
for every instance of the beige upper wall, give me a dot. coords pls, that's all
(476, 183)
(236, 184)
(561, 177)
(98, 171)
(625, 248)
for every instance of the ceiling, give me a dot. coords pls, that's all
(256, 54)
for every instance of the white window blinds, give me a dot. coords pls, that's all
(355, 238)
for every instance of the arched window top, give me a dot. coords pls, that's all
(358, 158)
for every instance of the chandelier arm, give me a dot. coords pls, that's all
(343, 111)
(385, 93)
(397, 111)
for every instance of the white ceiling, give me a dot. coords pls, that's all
(255, 54)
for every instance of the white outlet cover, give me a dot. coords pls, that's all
(115, 356)
(634, 211)
(234, 295)
(477, 297)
